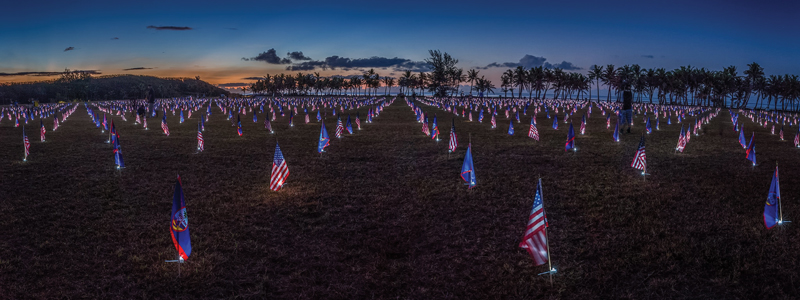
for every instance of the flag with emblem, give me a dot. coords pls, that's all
(773, 205)
(239, 125)
(742, 140)
(324, 140)
(117, 150)
(467, 169)
(279, 170)
(435, 129)
(751, 149)
(179, 223)
(570, 139)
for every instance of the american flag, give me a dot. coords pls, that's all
(534, 132)
(268, 125)
(279, 170)
(145, 123)
(42, 130)
(681, 141)
(494, 122)
(535, 239)
(639, 159)
(164, 126)
(339, 127)
(55, 123)
(453, 141)
(797, 139)
(27, 144)
(201, 143)
(358, 122)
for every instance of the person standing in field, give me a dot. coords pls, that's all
(627, 110)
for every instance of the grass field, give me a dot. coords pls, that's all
(384, 214)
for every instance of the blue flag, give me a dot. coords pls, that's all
(773, 202)
(255, 117)
(616, 132)
(742, 140)
(319, 117)
(511, 128)
(647, 126)
(324, 140)
(349, 125)
(468, 169)
(555, 122)
(751, 150)
(117, 151)
(570, 138)
(179, 225)
(238, 125)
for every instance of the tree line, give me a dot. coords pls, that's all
(81, 86)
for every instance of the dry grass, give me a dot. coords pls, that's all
(384, 214)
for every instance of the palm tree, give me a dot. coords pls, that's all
(484, 85)
(609, 76)
(519, 78)
(389, 82)
(506, 81)
(755, 73)
(596, 73)
(472, 76)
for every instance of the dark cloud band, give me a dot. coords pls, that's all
(169, 27)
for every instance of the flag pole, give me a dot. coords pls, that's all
(546, 238)
(780, 208)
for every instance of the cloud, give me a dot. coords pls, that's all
(115, 38)
(307, 66)
(232, 84)
(137, 68)
(647, 56)
(529, 61)
(69, 49)
(169, 27)
(564, 65)
(253, 78)
(297, 61)
(270, 56)
(93, 72)
(298, 55)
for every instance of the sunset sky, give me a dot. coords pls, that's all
(227, 43)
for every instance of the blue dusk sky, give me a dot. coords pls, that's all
(227, 42)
